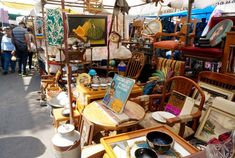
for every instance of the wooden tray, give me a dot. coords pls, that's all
(108, 141)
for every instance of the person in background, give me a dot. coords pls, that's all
(33, 46)
(2, 59)
(22, 44)
(8, 50)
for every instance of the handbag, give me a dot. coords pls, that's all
(33, 47)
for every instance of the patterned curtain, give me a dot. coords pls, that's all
(55, 29)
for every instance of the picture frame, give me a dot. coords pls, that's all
(215, 123)
(211, 92)
(86, 131)
(90, 28)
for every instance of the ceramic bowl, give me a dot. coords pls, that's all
(159, 141)
(145, 153)
(95, 86)
(103, 86)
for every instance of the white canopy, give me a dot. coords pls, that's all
(148, 9)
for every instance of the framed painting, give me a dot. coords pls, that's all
(211, 92)
(86, 131)
(91, 28)
(215, 123)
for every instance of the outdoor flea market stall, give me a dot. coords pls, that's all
(143, 78)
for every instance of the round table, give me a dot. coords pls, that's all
(94, 112)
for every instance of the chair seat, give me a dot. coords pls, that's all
(202, 53)
(168, 44)
(148, 122)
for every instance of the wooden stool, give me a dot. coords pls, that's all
(58, 117)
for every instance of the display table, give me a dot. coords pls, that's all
(86, 95)
(96, 114)
(181, 147)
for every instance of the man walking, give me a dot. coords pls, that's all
(21, 41)
(1, 35)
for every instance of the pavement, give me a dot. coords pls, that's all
(25, 127)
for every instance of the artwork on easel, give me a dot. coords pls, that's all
(118, 92)
(86, 131)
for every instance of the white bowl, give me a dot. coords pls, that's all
(103, 86)
(95, 86)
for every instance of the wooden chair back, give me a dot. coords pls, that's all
(183, 29)
(135, 65)
(186, 87)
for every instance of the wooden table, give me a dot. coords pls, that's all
(95, 114)
(87, 95)
(109, 142)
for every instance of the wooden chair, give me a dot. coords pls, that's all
(218, 79)
(216, 53)
(48, 81)
(184, 86)
(178, 68)
(135, 65)
(179, 35)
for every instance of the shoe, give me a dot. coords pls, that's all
(19, 72)
(5, 72)
(13, 71)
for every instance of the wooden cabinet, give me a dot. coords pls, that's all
(230, 40)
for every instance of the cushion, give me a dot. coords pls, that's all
(168, 44)
(176, 66)
(197, 52)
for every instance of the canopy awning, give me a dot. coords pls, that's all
(196, 13)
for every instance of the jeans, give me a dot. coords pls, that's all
(7, 61)
(2, 60)
(22, 60)
(30, 56)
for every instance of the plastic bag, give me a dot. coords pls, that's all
(223, 147)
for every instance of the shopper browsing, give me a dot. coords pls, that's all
(8, 50)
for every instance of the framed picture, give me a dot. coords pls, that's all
(92, 28)
(211, 92)
(215, 123)
(86, 131)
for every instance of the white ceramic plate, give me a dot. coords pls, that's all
(161, 116)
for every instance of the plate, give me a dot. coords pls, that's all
(161, 116)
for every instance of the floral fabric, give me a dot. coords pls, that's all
(55, 29)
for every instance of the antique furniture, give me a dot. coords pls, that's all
(181, 35)
(48, 81)
(182, 147)
(149, 101)
(184, 86)
(59, 118)
(228, 53)
(219, 80)
(86, 95)
(212, 54)
(177, 67)
(103, 119)
(135, 65)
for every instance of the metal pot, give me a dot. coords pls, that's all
(67, 142)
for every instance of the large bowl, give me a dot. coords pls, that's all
(145, 153)
(159, 141)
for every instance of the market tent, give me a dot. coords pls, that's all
(196, 13)
(137, 7)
